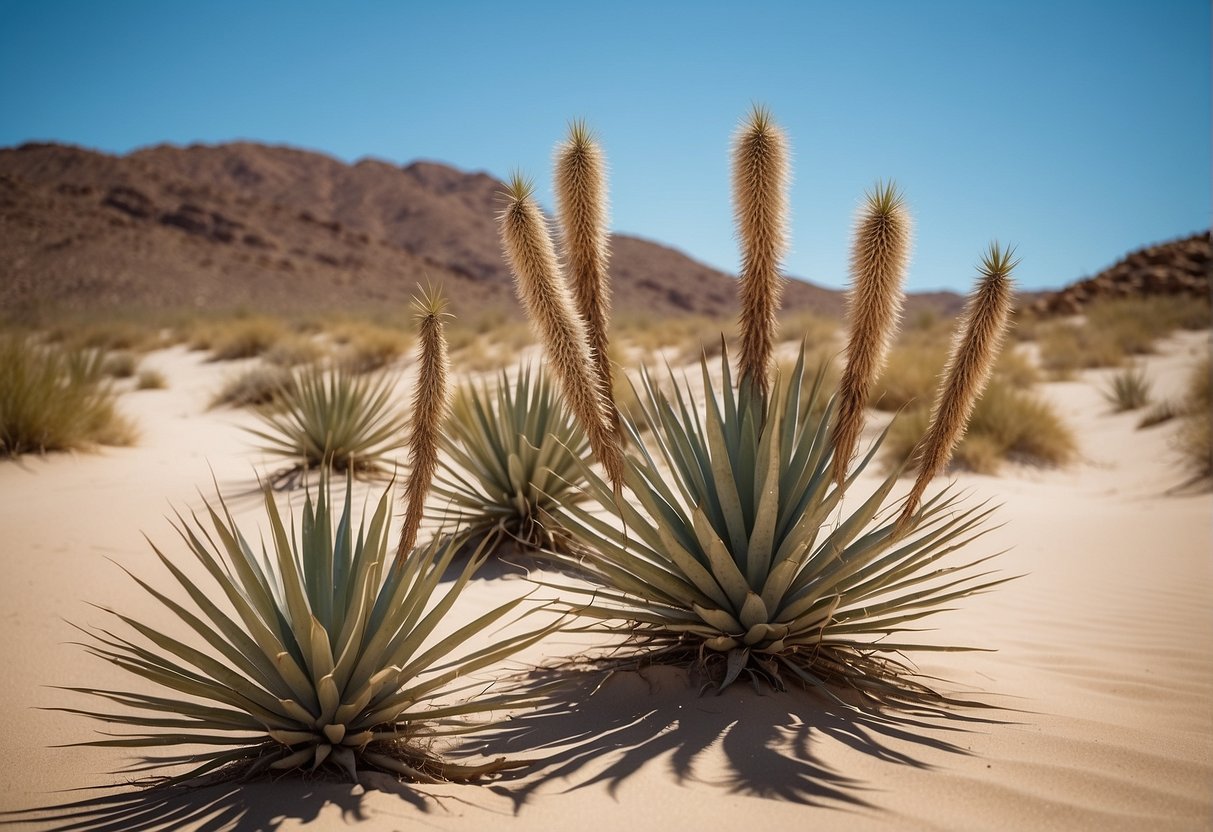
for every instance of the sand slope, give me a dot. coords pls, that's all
(1102, 675)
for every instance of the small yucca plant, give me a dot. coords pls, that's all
(313, 653)
(333, 418)
(512, 459)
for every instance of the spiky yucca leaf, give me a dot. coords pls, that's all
(335, 418)
(512, 459)
(737, 558)
(308, 654)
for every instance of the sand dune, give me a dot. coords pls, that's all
(1100, 686)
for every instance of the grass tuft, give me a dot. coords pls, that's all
(259, 386)
(1128, 389)
(52, 399)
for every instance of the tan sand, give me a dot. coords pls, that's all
(1103, 670)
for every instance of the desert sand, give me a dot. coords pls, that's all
(1099, 679)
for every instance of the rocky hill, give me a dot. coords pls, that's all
(1179, 267)
(249, 226)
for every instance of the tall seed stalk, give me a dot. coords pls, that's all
(880, 254)
(974, 350)
(537, 278)
(429, 409)
(581, 206)
(760, 204)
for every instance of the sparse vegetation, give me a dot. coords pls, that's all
(120, 364)
(293, 350)
(242, 338)
(1007, 424)
(259, 386)
(150, 380)
(369, 347)
(1128, 389)
(53, 399)
(1194, 439)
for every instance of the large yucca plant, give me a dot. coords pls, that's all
(727, 542)
(512, 459)
(333, 418)
(313, 652)
(728, 551)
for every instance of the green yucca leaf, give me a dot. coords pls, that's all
(320, 657)
(728, 550)
(336, 418)
(512, 459)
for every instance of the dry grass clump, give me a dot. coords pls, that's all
(259, 386)
(150, 380)
(293, 350)
(484, 355)
(107, 336)
(1067, 347)
(1007, 424)
(1194, 439)
(243, 337)
(370, 347)
(120, 364)
(1128, 389)
(807, 327)
(53, 399)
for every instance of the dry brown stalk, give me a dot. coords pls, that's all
(581, 203)
(537, 278)
(429, 409)
(974, 350)
(760, 204)
(880, 253)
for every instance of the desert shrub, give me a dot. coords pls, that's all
(150, 380)
(107, 336)
(292, 351)
(243, 338)
(1127, 389)
(1007, 424)
(121, 364)
(53, 399)
(1066, 348)
(369, 348)
(483, 355)
(333, 418)
(511, 459)
(911, 374)
(317, 652)
(258, 386)
(1194, 439)
(814, 330)
(1017, 368)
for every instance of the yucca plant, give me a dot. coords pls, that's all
(511, 461)
(725, 553)
(335, 418)
(312, 653)
(727, 542)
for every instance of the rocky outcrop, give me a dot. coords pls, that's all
(1180, 267)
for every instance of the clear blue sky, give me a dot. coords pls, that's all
(1076, 130)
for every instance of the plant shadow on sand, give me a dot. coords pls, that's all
(615, 723)
(230, 806)
(598, 728)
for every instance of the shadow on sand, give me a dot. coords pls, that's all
(600, 728)
(615, 724)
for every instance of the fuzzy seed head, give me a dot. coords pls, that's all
(429, 410)
(974, 351)
(761, 177)
(880, 256)
(581, 203)
(544, 295)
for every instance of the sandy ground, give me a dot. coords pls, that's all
(1102, 670)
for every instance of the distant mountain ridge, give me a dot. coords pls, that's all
(252, 226)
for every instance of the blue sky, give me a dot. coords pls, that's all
(1076, 130)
